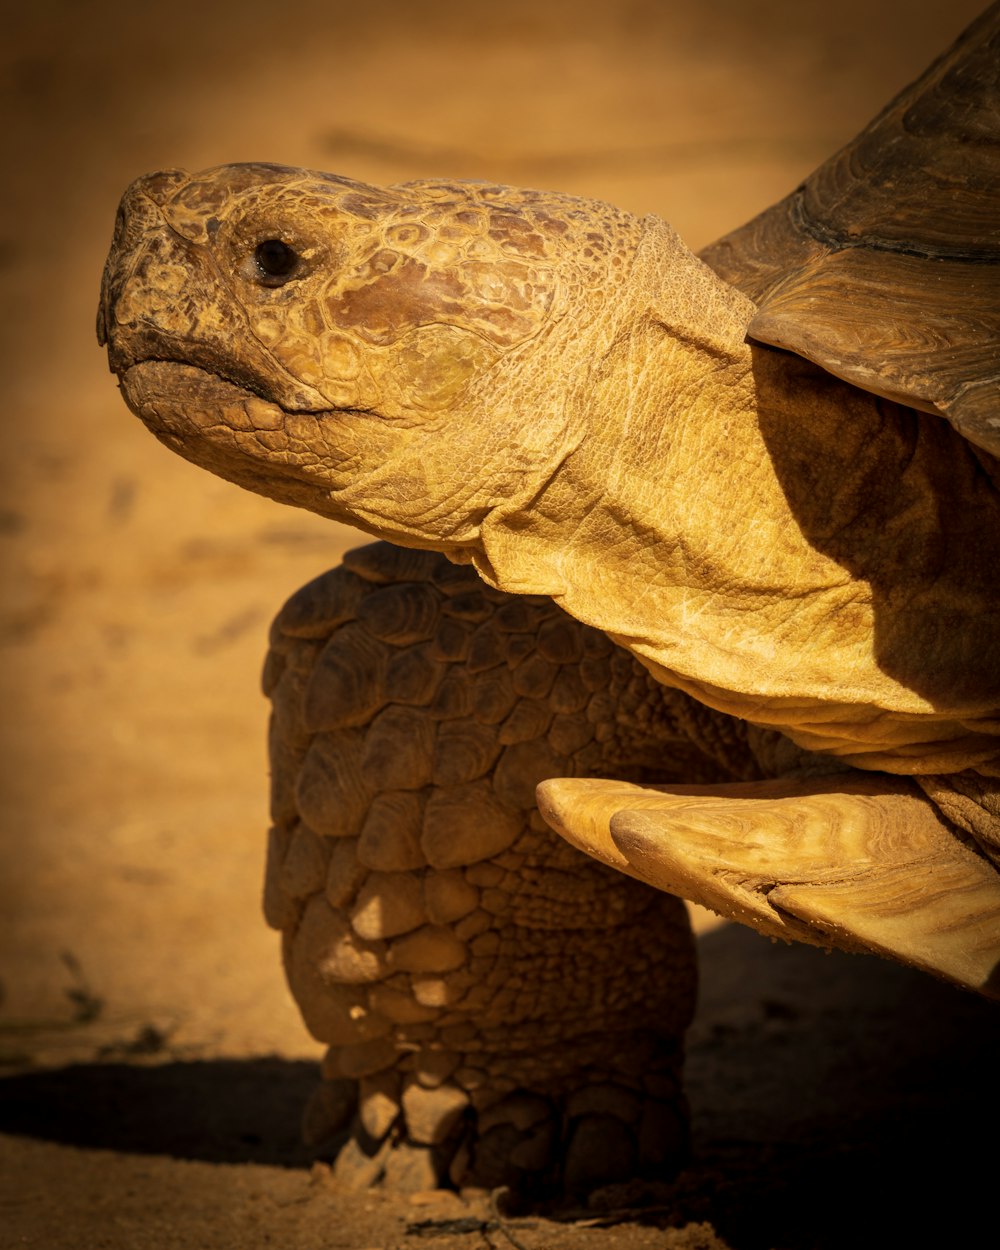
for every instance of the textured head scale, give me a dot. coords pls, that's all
(293, 298)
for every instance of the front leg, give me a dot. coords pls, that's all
(511, 1012)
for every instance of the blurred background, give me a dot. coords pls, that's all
(137, 589)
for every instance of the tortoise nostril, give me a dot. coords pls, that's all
(160, 186)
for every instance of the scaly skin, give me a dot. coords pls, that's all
(504, 1010)
(562, 396)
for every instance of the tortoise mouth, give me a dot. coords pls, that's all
(180, 397)
(186, 391)
(227, 428)
(201, 359)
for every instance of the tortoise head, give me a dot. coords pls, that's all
(402, 358)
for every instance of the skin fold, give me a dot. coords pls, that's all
(564, 397)
(752, 578)
(675, 570)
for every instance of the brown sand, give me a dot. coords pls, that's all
(156, 1064)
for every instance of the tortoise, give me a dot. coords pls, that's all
(702, 546)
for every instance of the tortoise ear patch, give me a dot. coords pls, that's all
(390, 293)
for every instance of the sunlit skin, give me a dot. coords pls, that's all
(562, 395)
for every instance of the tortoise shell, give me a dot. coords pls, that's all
(883, 267)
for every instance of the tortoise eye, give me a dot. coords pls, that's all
(275, 260)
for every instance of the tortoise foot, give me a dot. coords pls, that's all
(582, 1133)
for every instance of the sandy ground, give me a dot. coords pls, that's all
(155, 1063)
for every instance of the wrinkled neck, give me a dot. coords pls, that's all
(771, 540)
(665, 407)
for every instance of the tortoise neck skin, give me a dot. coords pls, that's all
(563, 396)
(773, 541)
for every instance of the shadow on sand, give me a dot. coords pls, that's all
(837, 1101)
(217, 1111)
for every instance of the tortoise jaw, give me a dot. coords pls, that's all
(148, 348)
(229, 430)
(137, 343)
